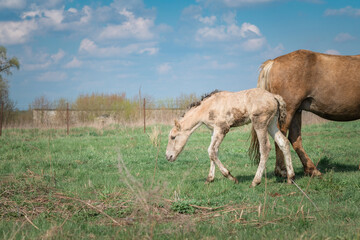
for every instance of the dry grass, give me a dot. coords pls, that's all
(153, 117)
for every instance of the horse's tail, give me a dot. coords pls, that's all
(263, 80)
(264, 83)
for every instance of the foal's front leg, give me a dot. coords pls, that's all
(216, 140)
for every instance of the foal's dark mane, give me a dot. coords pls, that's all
(203, 97)
(197, 103)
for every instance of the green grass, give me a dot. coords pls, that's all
(116, 183)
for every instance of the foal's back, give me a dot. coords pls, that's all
(238, 108)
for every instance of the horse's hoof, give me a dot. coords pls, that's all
(312, 172)
(236, 181)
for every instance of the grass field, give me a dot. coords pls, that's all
(116, 184)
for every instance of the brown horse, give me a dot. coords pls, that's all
(327, 85)
(221, 111)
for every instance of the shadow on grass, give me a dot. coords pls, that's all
(327, 164)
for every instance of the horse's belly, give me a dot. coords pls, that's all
(333, 110)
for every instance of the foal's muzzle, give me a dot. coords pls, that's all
(170, 157)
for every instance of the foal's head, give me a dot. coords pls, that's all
(177, 140)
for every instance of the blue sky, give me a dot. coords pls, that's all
(69, 47)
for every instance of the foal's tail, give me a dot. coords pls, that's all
(281, 109)
(254, 149)
(264, 83)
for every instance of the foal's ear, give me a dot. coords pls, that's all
(177, 125)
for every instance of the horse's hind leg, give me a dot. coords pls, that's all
(216, 139)
(264, 145)
(296, 141)
(284, 146)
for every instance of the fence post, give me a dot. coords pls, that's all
(144, 117)
(67, 118)
(1, 117)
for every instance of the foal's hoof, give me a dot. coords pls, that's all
(254, 184)
(312, 172)
(209, 180)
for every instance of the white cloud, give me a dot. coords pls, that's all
(56, 16)
(52, 76)
(74, 63)
(207, 20)
(211, 34)
(86, 15)
(31, 14)
(164, 68)
(89, 47)
(12, 4)
(137, 28)
(59, 19)
(233, 3)
(150, 51)
(254, 44)
(240, 3)
(37, 66)
(248, 29)
(228, 32)
(215, 65)
(343, 37)
(73, 10)
(41, 60)
(347, 11)
(58, 56)
(229, 18)
(332, 52)
(16, 32)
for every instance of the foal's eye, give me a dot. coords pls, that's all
(173, 137)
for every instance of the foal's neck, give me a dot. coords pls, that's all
(192, 119)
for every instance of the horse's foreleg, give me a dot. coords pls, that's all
(265, 147)
(284, 146)
(216, 140)
(296, 141)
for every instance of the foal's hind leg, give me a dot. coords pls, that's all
(284, 146)
(264, 145)
(216, 139)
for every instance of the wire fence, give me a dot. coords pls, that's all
(99, 118)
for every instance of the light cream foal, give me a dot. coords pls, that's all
(221, 111)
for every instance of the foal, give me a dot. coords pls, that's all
(221, 111)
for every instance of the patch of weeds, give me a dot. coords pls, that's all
(184, 206)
